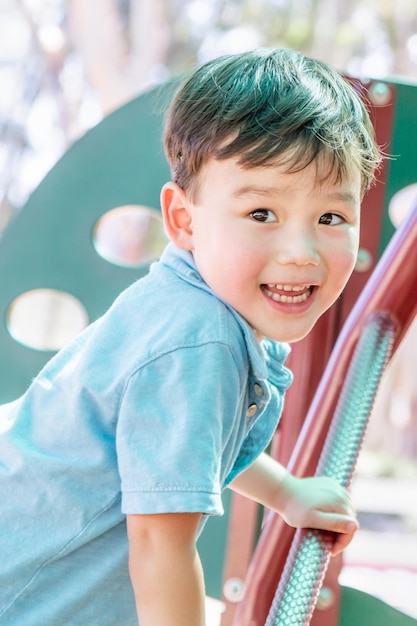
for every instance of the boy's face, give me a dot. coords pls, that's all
(275, 246)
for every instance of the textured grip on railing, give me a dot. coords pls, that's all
(307, 561)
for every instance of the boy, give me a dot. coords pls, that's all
(119, 450)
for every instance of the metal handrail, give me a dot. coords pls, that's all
(305, 568)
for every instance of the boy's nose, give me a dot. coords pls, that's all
(297, 248)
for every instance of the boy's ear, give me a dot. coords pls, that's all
(176, 212)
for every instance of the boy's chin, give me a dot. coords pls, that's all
(290, 337)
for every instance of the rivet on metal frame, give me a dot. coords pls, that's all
(365, 260)
(234, 589)
(325, 599)
(379, 93)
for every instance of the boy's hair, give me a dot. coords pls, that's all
(269, 106)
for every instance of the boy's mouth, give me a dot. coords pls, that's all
(288, 294)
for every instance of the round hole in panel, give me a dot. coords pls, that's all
(402, 203)
(45, 319)
(130, 236)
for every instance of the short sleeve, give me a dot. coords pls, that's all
(176, 422)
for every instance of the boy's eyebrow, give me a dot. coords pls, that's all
(255, 190)
(346, 197)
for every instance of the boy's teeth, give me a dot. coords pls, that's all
(288, 287)
(294, 296)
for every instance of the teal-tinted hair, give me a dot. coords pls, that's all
(269, 105)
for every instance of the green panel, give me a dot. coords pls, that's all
(360, 609)
(48, 244)
(402, 168)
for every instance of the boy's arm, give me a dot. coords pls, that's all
(316, 502)
(165, 569)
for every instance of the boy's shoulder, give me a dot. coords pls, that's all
(170, 310)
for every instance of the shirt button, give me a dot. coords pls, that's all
(252, 408)
(258, 390)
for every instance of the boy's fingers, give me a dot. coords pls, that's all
(343, 528)
(341, 541)
(348, 526)
(336, 523)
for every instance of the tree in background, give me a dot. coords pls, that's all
(65, 64)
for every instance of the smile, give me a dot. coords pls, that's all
(287, 294)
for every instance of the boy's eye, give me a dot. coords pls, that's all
(263, 215)
(331, 219)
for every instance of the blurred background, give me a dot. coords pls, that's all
(66, 65)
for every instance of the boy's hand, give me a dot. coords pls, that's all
(318, 502)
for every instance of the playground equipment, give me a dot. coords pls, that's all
(50, 246)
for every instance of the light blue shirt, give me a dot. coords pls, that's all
(154, 408)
